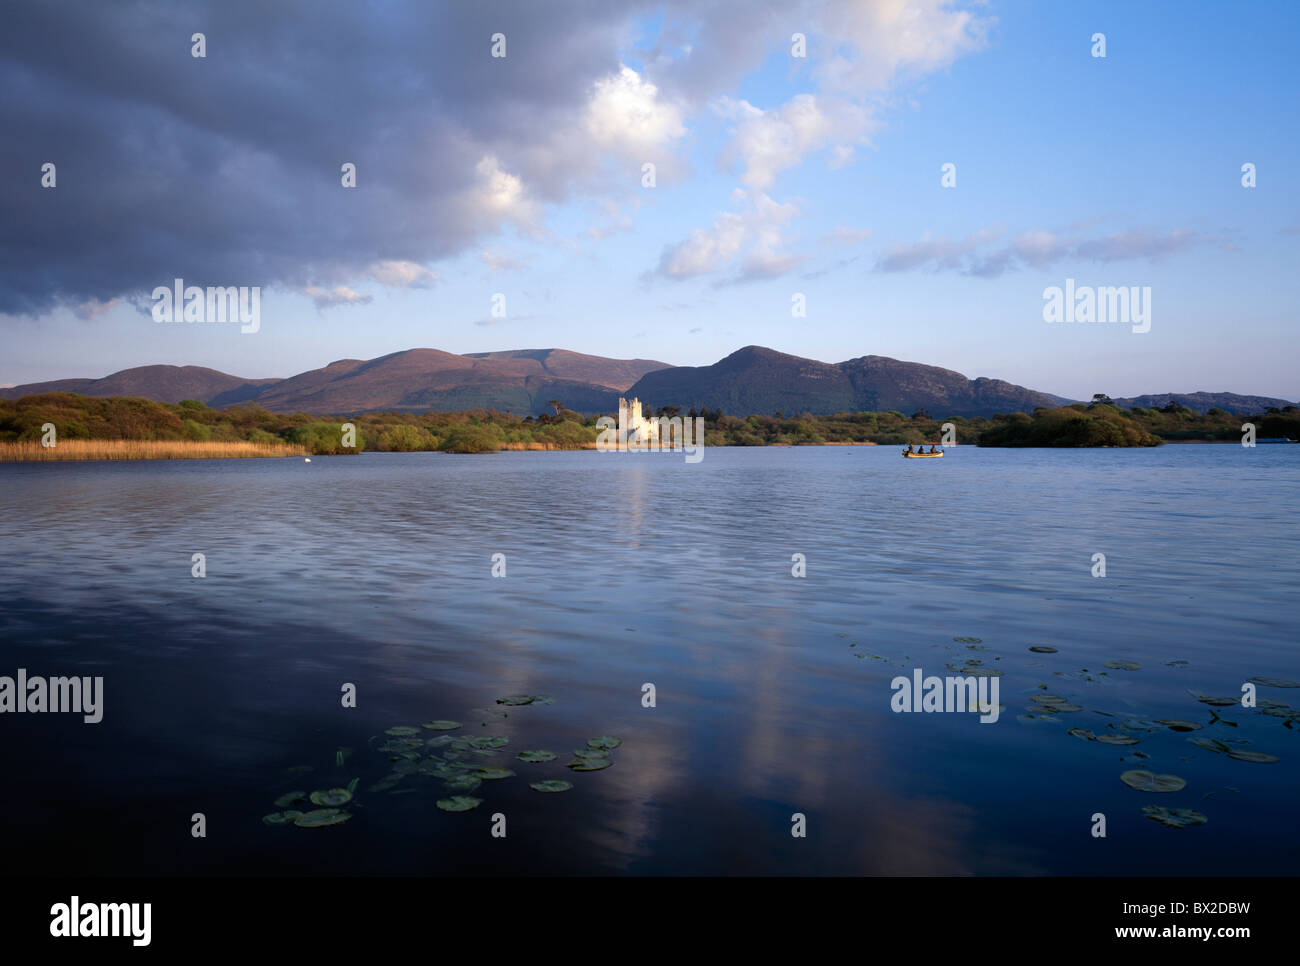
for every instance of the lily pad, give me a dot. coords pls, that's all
(515, 700)
(1048, 699)
(551, 785)
(290, 799)
(535, 756)
(1217, 702)
(384, 784)
(1139, 724)
(281, 818)
(1210, 744)
(322, 817)
(1275, 682)
(1174, 817)
(591, 753)
(1242, 754)
(1174, 724)
(1117, 739)
(401, 731)
(1145, 781)
(440, 725)
(1282, 712)
(1123, 665)
(462, 783)
(459, 803)
(1083, 733)
(1043, 649)
(332, 797)
(604, 741)
(590, 764)
(490, 774)
(488, 742)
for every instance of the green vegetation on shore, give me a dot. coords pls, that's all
(1099, 423)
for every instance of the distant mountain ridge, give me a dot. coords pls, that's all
(759, 380)
(1203, 402)
(160, 383)
(750, 380)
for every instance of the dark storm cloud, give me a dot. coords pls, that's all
(225, 170)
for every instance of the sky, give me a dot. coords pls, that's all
(502, 202)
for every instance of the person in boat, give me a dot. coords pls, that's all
(932, 449)
(909, 448)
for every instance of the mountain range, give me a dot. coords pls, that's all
(750, 380)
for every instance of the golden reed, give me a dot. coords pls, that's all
(142, 449)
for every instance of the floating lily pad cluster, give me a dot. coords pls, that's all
(1174, 817)
(461, 762)
(329, 812)
(975, 669)
(595, 757)
(1127, 730)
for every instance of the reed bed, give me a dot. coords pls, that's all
(529, 447)
(143, 449)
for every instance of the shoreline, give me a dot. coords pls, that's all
(83, 450)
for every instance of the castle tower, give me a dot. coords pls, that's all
(637, 428)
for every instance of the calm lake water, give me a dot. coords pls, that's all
(773, 692)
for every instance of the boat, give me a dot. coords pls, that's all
(918, 455)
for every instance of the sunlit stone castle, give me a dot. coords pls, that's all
(634, 427)
(634, 433)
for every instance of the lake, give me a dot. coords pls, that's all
(772, 693)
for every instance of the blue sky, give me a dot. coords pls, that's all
(776, 176)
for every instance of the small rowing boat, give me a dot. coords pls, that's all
(934, 453)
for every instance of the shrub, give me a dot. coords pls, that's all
(324, 438)
(196, 431)
(405, 439)
(471, 439)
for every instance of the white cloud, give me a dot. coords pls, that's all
(875, 42)
(339, 295)
(627, 116)
(402, 274)
(769, 142)
(499, 196)
(1036, 248)
(500, 262)
(752, 236)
